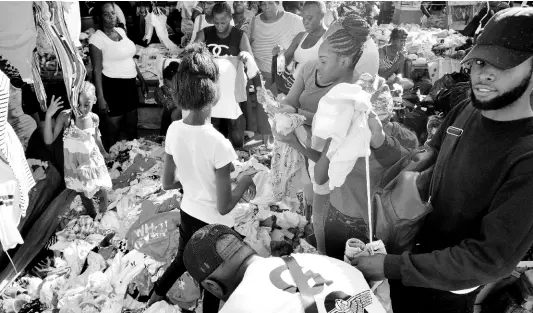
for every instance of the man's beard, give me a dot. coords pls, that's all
(503, 100)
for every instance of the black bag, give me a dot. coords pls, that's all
(400, 205)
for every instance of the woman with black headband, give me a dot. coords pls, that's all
(391, 57)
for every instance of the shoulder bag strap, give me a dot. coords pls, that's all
(453, 133)
(302, 284)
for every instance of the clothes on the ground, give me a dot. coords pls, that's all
(85, 168)
(302, 56)
(265, 36)
(188, 226)
(369, 61)
(267, 286)
(117, 56)
(479, 228)
(197, 152)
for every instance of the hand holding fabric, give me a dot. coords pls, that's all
(290, 139)
(372, 267)
(283, 108)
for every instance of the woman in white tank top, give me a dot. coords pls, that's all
(304, 47)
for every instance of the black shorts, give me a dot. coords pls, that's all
(120, 94)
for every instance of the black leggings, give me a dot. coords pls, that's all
(231, 129)
(188, 226)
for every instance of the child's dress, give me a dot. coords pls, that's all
(85, 168)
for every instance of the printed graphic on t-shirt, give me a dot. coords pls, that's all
(335, 301)
(316, 289)
(218, 50)
(340, 302)
(149, 232)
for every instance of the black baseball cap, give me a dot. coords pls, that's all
(206, 250)
(506, 40)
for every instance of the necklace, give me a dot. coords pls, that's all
(386, 62)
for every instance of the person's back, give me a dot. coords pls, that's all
(197, 151)
(223, 264)
(267, 286)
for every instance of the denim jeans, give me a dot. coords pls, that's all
(339, 228)
(422, 300)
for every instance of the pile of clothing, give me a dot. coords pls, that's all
(110, 263)
(426, 44)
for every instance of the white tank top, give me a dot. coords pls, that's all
(302, 56)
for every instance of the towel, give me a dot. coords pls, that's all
(342, 115)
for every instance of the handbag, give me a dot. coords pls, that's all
(400, 204)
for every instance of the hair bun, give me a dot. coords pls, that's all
(356, 26)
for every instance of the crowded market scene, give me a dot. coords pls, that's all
(266, 156)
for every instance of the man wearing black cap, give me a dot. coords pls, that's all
(225, 266)
(481, 225)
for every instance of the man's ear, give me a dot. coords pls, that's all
(213, 287)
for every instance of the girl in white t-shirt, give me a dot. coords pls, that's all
(198, 159)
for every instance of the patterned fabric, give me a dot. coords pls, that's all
(288, 165)
(85, 169)
(382, 102)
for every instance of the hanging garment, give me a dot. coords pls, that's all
(342, 116)
(186, 7)
(55, 29)
(73, 21)
(9, 234)
(18, 35)
(227, 106)
(159, 22)
(23, 124)
(13, 152)
(85, 168)
(288, 165)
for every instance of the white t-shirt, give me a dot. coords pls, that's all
(369, 61)
(117, 55)
(260, 292)
(197, 151)
(267, 35)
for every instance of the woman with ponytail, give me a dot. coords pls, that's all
(339, 214)
(338, 55)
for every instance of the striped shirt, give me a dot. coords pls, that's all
(266, 36)
(11, 149)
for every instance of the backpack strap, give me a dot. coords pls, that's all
(452, 136)
(302, 284)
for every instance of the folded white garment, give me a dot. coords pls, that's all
(342, 116)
